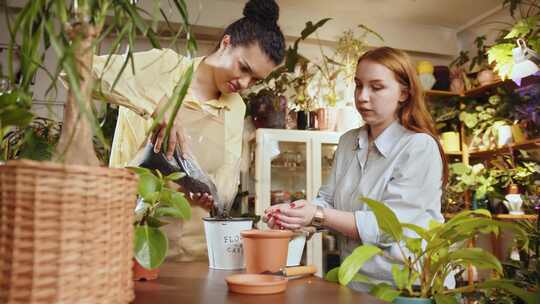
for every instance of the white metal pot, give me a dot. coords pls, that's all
(296, 248)
(225, 250)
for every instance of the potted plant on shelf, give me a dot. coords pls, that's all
(446, 116)
(485, 124)
(516, 176)
(74, 196)
(459, 81)
(266, 99)
(484, 74)
(157, 200)
(476, 179)
(526, 27)
(432, 254)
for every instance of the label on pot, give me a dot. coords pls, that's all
(225, 250)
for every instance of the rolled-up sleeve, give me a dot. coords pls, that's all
(413, 191)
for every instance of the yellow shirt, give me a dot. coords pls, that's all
(211, 126)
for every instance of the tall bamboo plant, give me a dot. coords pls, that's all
(75, 30)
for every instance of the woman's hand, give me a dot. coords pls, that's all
(205, 200)
(176, 136)
(291, 216)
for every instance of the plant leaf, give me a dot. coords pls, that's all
(352, 264)
(445, 299)
(179, 201)
(151, 246)
(400, 275)
(332, 275)
(148, 185)
(386, 219)
(384, 292)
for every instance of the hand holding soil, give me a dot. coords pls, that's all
(291, 216)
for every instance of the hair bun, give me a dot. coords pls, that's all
(264, 12)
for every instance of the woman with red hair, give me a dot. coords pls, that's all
(394, 158)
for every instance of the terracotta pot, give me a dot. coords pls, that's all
(140, 273)
(512, 189)
(485, 77)
(265, 250)
(457, 86)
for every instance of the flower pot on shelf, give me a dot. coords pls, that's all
(504, 135)
(517, 134)
(224, 243)
(265, 250)
(485, 77)
(450, 141)
(140, 273)
(457, 85)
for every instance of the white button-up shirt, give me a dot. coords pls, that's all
(403, 169)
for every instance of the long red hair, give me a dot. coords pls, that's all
(413, 113)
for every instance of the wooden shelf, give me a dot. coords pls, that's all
(470, 93)
(511, 217)
(453, 153)
(438, 93)
(483, 89)
(526, 145)
(532, 217)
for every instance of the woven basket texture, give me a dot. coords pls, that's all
(66, 233)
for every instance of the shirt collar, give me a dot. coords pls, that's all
(385, 141)
(223, 102)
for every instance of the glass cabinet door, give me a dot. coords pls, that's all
(330, 254)
(288, 178)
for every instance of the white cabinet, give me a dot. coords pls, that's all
(289, 164)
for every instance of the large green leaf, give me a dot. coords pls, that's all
(148, 185)
(386, 218)
(423, 233)
(384, 292)
(168, 211)
(332, 275)
(179, 201)
(352, 264)
(445, 299)
(400, 275)
(151, 246)
(465, 256)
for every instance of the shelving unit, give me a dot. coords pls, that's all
(466, 155)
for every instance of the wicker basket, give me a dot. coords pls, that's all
(66, 233)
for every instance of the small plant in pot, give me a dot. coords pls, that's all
(485, 75)
(428, 256)
(446, 115)
(156, 202)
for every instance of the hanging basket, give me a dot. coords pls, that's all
(66, 233)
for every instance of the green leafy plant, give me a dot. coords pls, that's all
(472, 178)
(74, 31)
(36, 141)
(482, 120)
(480, 60)
(446, 115)
(433, 254)
(156, 202)
(508, 171)
(526, 26)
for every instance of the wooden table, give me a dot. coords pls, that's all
(196, 283)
